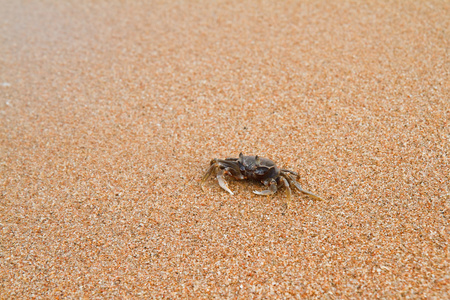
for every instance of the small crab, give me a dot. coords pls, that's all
(256, 168)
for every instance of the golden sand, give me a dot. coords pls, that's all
(110, 112)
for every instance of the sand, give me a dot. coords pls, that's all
(110, 112)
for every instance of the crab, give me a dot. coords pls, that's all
(255, 168)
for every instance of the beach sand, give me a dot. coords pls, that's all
(110, 112)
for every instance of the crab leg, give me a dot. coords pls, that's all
(297, 185)
(227, 164)
(289, 171)
(288, 189)
(208, 173)
(272, 188)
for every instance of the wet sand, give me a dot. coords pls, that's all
(111, 111)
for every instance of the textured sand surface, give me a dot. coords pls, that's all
(110, 112)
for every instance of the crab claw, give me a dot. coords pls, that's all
(272, 189)
(223, 184)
